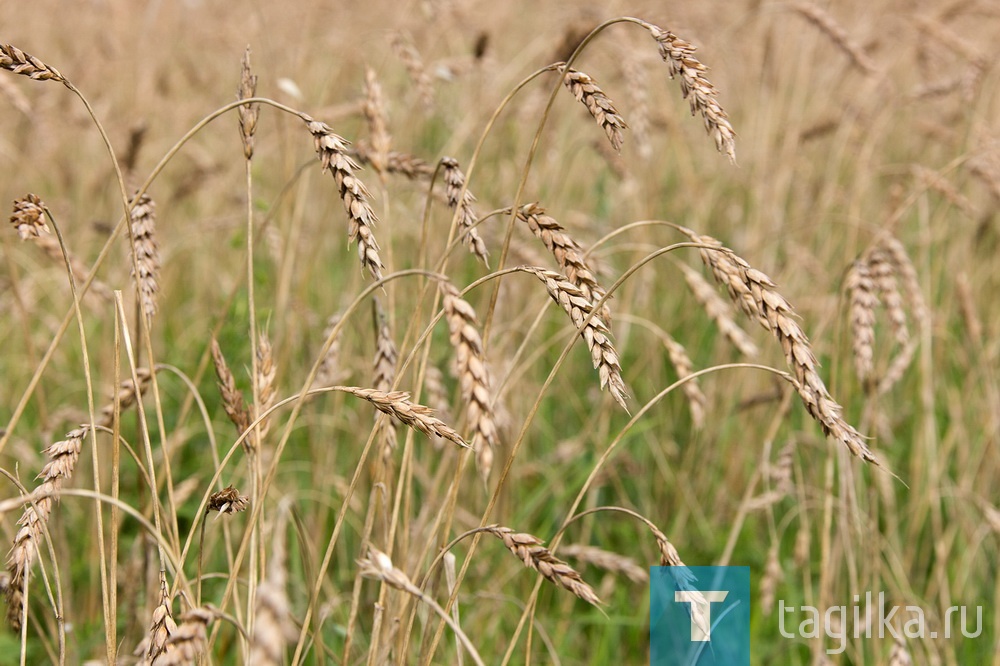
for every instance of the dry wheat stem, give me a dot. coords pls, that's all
(248, 113)
(332, 152)
(17, 61)
(718, 311)
(398, 405)
(829, 27)
(473, 375)
(146, 251)
(567, 252)
(607, 560)
(592, 328)
(600, 106)
(63, 457)
(757, 296)
(454, 181)
(699, 91)
(529, 550)
(384, 375)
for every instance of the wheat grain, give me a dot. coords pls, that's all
(146, 252)
(567, 252)
(454, 181)
(188, 642)
(374, 112)
(692, 390)
(414, 64)
(586, 90)
(473, 375)
(529, 550)
(757, 296)
(595, 332)
(264, 380)
(332, 152)
(718, 311)
(232, 399)
(395, 162)
(125, 396)
(63, 456)
(699, 91)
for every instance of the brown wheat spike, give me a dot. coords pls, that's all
(404, 164)
(374, 110)
(586, 90)
(607, 560)
(266, 374)
(125, 396)
(529, 550)
(473, 375)
(454, 181)
(757, 296)
(384, 373)
(769, 581)
(397, 404)
(692, 391)
(188, 642)
(861, 294)
(15, 60)
(28, 219)
(330, 371)
(228, 500)
(332, 151)
(908, 277)
(161, 628)
(414, 64)
(567, 252)
(829, 27)
(883, 276)
(146, 251)
(248, 112)
(595, 332)
(437, 397)
(899, 655)
(698, 90)
(62, 460)
(718, 311)
(232, 399)
(639, 93)
(273, 628)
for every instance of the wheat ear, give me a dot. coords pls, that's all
(861, 294)
(384, 373)
(529, 550)
(146, 251)
(607, 560)
(375, 115)
(248, 112)
(595, 332)
(397, 405)
(718, 311)
(603, 110)
(454, 181)
(232, 399)
(17, 61)
(829, 27)
(332, 151)
(188, 642)
(757, 296)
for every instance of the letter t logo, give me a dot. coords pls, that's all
(701, 610)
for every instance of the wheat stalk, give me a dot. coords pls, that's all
(332, 151)
(603, 110)
(473, 375)
(454, 181)
(63, 456)
(146, 252)
(757, 296)
(568, 254)
(529, 550)
(594, 331)
(699, 91)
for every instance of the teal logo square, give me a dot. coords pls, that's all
(699, 616)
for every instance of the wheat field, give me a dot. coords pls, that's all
(318, 318)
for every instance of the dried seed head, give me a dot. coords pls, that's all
(861, 293)
(227, 500)
(374, 110)
(454, 181)
(829, 26)
(232, 399)
(146, 252)
(418, 417)
(332, 152)
(586, 90)
(248, 112)
(29, 217)
(15, 60)
(384, 367)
